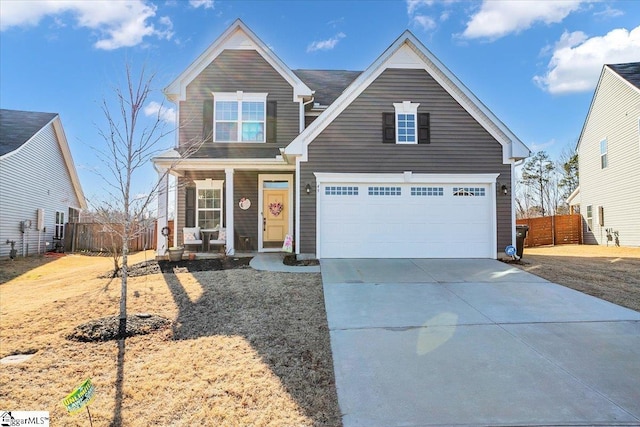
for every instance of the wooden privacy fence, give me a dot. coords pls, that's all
(553, 230)
(97, 237)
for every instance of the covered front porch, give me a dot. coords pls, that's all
(242, 206)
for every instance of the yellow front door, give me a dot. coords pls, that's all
(275, 214)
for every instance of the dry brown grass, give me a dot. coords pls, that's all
(247, 348)
(610, 273)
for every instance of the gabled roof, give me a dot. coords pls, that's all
(239, 37)
(328, 85)
(408, 52)
(17, 128)
(629, 73)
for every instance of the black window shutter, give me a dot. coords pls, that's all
(424, 128)
(207, 120)
(190, 207)
(272, 129)
(389, 128)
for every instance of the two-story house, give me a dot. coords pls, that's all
(39, 187)
(609, 159)
(400, 160)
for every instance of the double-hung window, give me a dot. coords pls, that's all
(604, 160)
(239, 117)
(209, 203)
(58, 232)
(406, 122)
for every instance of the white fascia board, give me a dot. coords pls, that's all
(68, 159)
(405, 178)
(191, 164)
(593, 100)
(572, 196)
(237, 37)
(408, 52)
(623, 80)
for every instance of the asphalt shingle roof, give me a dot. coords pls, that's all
(17, 127)
(630, 72)
(328, 84)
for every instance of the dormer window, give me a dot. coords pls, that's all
(239, 117)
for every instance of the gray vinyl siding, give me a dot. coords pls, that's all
(239, 70)
(246, 222)
(245, 184)
(352, 143)
(34, 176)
(614, 116)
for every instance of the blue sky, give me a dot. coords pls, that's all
(533, 63)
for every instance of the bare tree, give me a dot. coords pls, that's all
(129, 144)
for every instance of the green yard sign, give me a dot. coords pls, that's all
(80, 397)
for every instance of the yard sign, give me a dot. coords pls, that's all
(80, 397)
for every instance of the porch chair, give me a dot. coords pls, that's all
(191, 237)
(220, 240)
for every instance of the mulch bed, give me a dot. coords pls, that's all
(106, 328)
(184, 266)
(292, 260)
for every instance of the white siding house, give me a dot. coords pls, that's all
(609, 159)
(39, 186)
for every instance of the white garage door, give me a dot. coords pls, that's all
(383, 220)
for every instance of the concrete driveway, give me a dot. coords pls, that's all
(422, 342)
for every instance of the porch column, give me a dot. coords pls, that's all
(229, 209)
(163, 203)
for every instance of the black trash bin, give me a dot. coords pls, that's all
(521, 234)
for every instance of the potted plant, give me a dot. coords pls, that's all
(175, 253)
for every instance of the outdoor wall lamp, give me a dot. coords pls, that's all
(307, 188)
(504, 189)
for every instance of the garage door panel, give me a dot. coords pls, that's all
(406, 221)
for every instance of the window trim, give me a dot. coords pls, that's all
(209, 184)
(408, 108)
(240, 97)
(604, 156)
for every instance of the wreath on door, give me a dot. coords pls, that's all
(275, 208)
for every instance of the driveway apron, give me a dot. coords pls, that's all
(430, 342)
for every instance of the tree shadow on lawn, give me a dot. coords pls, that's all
(281, 315)
(10, 269)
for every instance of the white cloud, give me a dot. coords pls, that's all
(577, 60)
(155, 109)
(326, 44)
(497, 18)
(118, 23)
(609, 12)
(413, 5)
(207, 4)
(424, 21)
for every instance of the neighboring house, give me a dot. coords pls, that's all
(609, 159)
(400, 160)
(39, 186)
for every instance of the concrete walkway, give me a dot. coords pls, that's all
(476, 342)
(272, 261)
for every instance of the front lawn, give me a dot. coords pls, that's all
(245, 348)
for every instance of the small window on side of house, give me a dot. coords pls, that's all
(58, 232)
(590, 217)
(604, 157)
